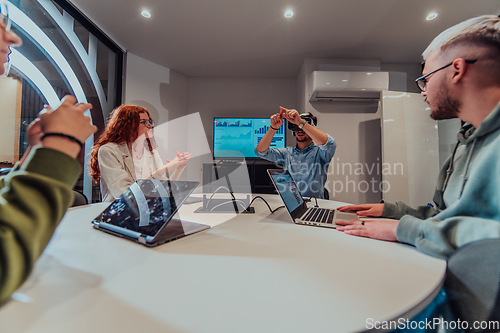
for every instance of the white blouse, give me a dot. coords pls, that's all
(117, 169)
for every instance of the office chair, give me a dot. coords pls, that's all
(473, 284)
(327, 194)
(4, 171)
(80, 199)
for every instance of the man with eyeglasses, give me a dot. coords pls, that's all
(37, 192)
(461, 79)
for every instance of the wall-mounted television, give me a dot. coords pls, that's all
(237, 137)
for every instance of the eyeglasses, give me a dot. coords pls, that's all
(422, 81)
(148, 122)
(5, 21)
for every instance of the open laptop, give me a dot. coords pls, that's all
(297, 207)
(143, 213)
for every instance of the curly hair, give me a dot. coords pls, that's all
(121, 127)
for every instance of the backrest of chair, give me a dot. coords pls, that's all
(4, 171)
(473, 284)
(80, 199)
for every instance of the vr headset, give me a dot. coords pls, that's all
(307, 117)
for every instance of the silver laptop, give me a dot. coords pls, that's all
(144, 212)
(297, 207)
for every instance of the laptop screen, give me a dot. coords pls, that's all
(287, 189)
(147, 205)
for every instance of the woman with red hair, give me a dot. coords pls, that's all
(125, 152)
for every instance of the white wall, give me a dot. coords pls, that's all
(170, 95)
(355, 171)
(355, 128)
(10, 113)
(174, 95)
(142, 85)
(164, 93)
(237, 97)
(410, 149)
(407, 72)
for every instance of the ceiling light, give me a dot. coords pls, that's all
(431, 16)
(146, 13)
(288, 13)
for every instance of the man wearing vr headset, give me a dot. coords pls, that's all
(308, 161)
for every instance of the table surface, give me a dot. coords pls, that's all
(252, 273)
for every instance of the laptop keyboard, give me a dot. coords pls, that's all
(321, 215)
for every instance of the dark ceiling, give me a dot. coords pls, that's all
(230, 38)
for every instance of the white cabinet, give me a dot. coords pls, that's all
(410, 148)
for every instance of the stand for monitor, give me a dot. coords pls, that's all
(214, 176)
(233, 205)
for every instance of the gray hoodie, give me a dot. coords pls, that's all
(467, 196)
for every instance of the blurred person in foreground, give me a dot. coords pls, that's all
(37, 192)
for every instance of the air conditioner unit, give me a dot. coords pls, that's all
(347, 86)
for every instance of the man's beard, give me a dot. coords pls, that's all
(446, 106)
(304, 138)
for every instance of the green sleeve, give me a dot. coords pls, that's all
(399, 209)
(440, 238)
(33, 199)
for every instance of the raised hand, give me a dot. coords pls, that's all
(68, 119)
(292, 116)
(276, 120)
(179, 161)
(34, 133)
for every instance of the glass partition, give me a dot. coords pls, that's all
(62, 53)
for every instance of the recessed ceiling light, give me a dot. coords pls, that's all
(288, 13)
(146, 13)
(431, 16)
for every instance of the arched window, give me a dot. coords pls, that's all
(62, 53)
